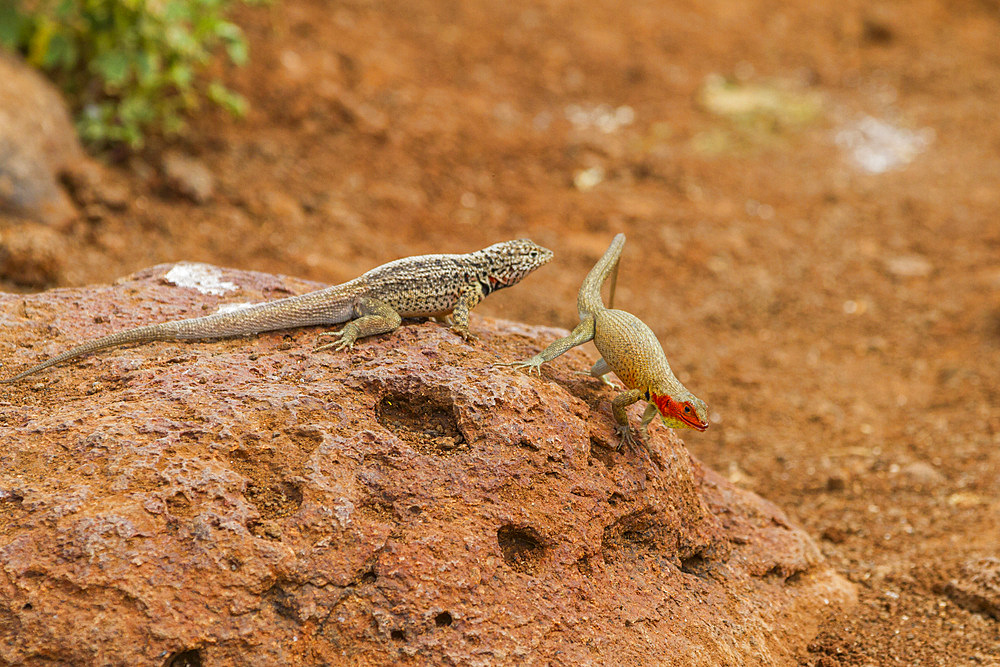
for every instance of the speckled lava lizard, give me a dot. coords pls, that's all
(373, 303)
(630, 349)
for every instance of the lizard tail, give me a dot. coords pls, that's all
(589, 299)
(320, 307)
(147, 333)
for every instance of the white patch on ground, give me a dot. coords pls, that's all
(202, 277)
(876, 146)
(588, 179)
(602, 117)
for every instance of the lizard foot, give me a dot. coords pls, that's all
(533, 364)
(466, 335)
(344, 342)
(628, 440)
(604, 378)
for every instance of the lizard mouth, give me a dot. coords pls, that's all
(695, 423)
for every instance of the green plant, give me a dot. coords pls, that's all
(130, 67)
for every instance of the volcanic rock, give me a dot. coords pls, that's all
(248, 501)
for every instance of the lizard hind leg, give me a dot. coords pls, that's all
(373, 317)
(601, 370)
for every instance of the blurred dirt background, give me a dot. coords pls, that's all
(810, 192)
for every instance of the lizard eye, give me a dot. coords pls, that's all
(687, 408)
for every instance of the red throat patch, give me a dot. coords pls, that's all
(671, 408)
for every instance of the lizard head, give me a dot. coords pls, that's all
(509, 262)
(685, 410)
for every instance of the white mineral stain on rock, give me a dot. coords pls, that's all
(202, 277)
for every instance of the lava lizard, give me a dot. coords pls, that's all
(630, 349)
(373, 303)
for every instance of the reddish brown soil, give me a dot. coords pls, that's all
(862, 400)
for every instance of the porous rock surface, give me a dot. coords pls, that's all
(248, 501)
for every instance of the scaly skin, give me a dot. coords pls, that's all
(630, 349)
(373, 303)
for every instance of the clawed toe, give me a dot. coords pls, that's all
(466, 335)
(337, 345)
(627, 439)
(527, 366)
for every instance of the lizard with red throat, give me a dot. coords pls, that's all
(630, 349)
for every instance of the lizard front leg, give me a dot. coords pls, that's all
(618, 407)
(373, 317)
(468, 298)
(583, 332)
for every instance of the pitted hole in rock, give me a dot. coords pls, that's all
(443, 619)
(274, 499)
(527, 444)
(398, 635)
(282, 601)
(697, 564)
(179, 505)
(378, 506)
(795, 577)
(368, 577)
(189, 658)
(267, 529)
(785, 574)
(599, 452)
(425, 420)
(631, 536)
(306, 439)
(10, 497)
(521, 547)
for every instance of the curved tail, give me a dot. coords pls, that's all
(589, 299)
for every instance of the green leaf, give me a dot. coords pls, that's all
(114, 67)
(173, 124)
(181, 75)
(38, 45)
(147, 68)
(231, 101)
(178, 11)
(227, 31)
(13, 25)
(62, 53)
(238, 51)
(131, 66)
